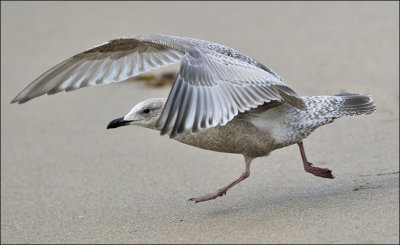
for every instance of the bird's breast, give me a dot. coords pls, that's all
(237, 136)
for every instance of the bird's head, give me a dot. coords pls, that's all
(144, 114)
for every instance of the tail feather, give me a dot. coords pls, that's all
(356, 104)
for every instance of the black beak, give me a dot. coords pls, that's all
(118, 123)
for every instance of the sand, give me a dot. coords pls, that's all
(66, 179)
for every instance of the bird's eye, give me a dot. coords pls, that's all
(146, 110)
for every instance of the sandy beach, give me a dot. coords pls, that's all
(66, 179)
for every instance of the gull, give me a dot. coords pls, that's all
(221, 99)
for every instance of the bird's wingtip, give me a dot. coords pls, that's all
(19, 101)
(14, 100)
(171, 135)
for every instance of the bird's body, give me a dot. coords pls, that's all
(259, 131)
(271, 126)
(221, 100)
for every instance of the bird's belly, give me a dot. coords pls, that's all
(237, 136)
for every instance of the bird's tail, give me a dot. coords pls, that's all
(325, 109)
(355, 104)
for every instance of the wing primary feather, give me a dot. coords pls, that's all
(98, 75)
(236, 101)
(254, 95)
(200, 113)
(257, 93)
(223, 105)
(249, 96)
(42, 84)
(68, 82)
(188, 112)
(271, 92)
(220, 107)
(247, 100)
(173, 113)
(109, 69)
(180, 104)
(232, 103)
(190, 120)
(207, 109)
(93, 71)
(241, 105)
(56, 87)
(215, 109)
(168, 104)
(129, 65)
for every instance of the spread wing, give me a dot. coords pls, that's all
(211, 89)
(214, 83)
(120, 59)
(114, 61)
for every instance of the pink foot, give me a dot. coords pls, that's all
(320, 172)
(223, 191)
(209, 196)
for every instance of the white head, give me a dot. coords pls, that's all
(144, 114)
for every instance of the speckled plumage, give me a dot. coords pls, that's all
(221, 100)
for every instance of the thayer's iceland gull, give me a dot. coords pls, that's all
(221, 100)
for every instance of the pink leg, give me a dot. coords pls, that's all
(223, 191)
(320, 172)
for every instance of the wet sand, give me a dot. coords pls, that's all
(66, 179)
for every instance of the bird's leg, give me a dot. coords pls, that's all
(223, 190)
(320, 172)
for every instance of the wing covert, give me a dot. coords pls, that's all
(211, 89)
